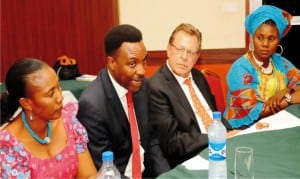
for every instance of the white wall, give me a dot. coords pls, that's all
(220, 21)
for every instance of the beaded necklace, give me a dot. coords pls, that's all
(258, 64)
(46, 140)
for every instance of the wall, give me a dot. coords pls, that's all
(47, 29)
(220, 21)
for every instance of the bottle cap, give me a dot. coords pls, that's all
(108, 156)
(217, 115)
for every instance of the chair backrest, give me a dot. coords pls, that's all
(216, 88)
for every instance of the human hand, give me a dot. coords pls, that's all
(275, 102)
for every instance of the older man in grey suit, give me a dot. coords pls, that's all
(179, 127)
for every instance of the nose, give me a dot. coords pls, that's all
(59, 97)
(184, 54)
(141, 69)
(265, 43)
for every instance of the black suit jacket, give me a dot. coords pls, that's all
(101, 112)
(173, 118)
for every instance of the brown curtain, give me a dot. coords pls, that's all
(46, 29)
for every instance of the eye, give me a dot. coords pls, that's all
(181, 49)
(271, 38)
(50, 93)
(132, 64)
(260, 38)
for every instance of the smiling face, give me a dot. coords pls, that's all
(265, 41)
(128, 65)
(183, 53)
(43, 94)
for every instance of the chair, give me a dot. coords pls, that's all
(216, 88)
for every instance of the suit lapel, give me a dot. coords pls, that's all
(114, 100)
(178, 92)
(200, 83)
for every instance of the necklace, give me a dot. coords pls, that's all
(259, 65)
(46, 140)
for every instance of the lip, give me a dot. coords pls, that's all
(181, 65)
(59, 109)
(264, 52)
(137, 82)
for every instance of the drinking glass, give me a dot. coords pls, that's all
(243, 163)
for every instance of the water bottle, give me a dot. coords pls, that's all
(108, 170)
(217, 148)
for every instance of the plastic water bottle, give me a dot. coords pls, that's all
(108, 170)
(217, 148)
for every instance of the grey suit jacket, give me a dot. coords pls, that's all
(101, 112)
(172, 117)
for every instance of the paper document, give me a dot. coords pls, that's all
(280, 120)
(86, 77)
(196, 163)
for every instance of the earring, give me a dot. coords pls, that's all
(251, 45)
(30, 117)
(281, 49)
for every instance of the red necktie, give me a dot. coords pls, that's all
(136, 160)
(206, 119)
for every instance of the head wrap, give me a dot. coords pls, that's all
(281, 18)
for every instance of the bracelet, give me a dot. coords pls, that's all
(288, 98)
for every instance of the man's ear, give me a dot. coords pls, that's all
(25, 103)
(168, 49)
(111, 62)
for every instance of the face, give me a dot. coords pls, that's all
(183, 53)
(44, 94)
(265, 41)
(128, 65)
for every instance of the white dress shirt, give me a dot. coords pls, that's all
(121, 91)
(186, 91)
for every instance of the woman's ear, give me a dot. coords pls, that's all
(25, 103)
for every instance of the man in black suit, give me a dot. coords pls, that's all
(103, 109)
(174, 118)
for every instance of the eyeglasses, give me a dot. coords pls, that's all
(182, 50)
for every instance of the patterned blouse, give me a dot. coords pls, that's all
(248, 88)
(17, 162)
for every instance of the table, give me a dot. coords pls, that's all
(75, 86)
(276, 154)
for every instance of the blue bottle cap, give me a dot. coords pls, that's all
(108, 156)
(217, 115)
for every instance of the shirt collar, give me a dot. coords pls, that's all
(180, 79)
(121, 91)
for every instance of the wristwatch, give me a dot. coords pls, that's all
(288, 98)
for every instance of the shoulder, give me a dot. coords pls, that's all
(280, 60)
(93, 94)
(74, 127)
(240, 65)
(242, 61)
(197, 73)
(69, 110)
(162, 76)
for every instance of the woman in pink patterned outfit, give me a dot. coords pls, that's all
(39, 137)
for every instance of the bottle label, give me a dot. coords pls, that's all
(217, 151)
